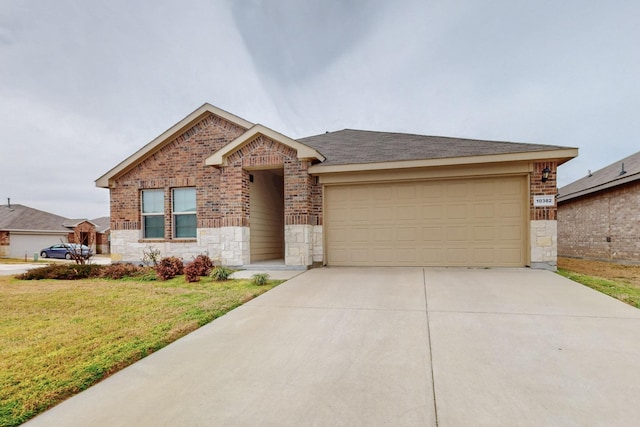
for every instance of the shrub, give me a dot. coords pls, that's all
(169, 267)
(260, 279)
(205, 265)
(63, 272)
(192, 271)
(221, 273)
(118, 271)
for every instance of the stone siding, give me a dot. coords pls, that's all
(544, 244)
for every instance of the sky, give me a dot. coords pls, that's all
(84, 84)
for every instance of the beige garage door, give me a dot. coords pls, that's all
(466, 222)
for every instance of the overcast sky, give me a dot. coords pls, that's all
(84, 84)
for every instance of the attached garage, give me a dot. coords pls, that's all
(29, 244)
(452, 222)
(392, 199)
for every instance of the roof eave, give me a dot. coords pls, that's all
(601, 187)
(178, 128)
(561, 156)
(29, 231)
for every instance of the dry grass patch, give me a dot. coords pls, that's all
(619, 281)
(59, 337)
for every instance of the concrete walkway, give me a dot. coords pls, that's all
(388, 346)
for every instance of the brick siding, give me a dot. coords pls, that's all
(4, 238)
(179, 163)
(222, 193)
(603, 225)
(539, 188)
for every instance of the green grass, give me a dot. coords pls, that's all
(619, 289)
(59, 337)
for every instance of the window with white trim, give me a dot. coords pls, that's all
(184, 213)
(153, 214)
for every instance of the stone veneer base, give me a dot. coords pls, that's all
(544, 244)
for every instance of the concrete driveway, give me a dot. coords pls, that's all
(389, 346)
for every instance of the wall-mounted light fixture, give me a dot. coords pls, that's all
(545, 174)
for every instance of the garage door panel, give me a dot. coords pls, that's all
(407, 192)
(383, 193)
(510, 210)
(457, 190)
(457, 211)
(359, 194)
(457, 256)
(511, 256)
(465, 222)
(407, 213)
(360, 255)
(484, 188)
(510, 232)
(457, 234)
(484, 210)
(406, 234)
(360, 214)
(432, 212)
(484, 233)
(383, 213)
(432, 234)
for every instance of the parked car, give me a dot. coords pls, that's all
(66, 251)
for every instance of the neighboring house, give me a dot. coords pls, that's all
(24, 230)
(599, 215)
(243, 193)
(103, 228)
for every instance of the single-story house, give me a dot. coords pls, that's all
(24, 231)
(242, 193)
(599, 214)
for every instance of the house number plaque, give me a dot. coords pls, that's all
(544, 201)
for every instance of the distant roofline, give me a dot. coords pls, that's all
(620, 172)
(625, 179)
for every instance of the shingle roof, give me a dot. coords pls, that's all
(20, 217)
(351, 146)
(607, 177)
(102, 224)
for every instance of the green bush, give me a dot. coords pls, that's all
(260, 279)
(221, 273)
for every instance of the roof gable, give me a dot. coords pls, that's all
(304, 152)
(175, 130)
(618, 173)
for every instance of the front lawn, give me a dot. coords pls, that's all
(58, 337)
(616, 280)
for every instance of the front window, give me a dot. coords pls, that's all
(153, 214)
(184, 213)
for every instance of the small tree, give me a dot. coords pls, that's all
(80, 244)
(151, 257)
